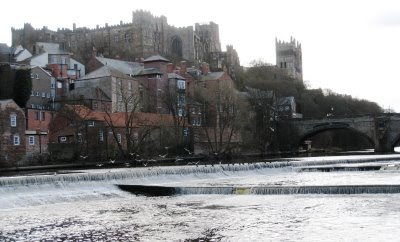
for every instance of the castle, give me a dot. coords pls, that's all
(289, 57)
(146, 35)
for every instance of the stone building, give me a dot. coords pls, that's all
(146, 35)
(12, 132)
(43, 89)
(289, 57)
(114, 84)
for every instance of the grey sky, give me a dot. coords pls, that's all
(351, 47)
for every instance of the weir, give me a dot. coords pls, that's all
(133, 173)
(264, 190)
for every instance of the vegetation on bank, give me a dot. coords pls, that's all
(312, 103)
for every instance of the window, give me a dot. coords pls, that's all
(116, 38)
(37, 94)
(43, 115)
(180, 112)
(181, 99)
(63, 139)
(31, 140)
(130, 85)
(16, 139)
(13, 120)
(48, 95)
(181, 84)
(37, 115)
(53, 85)
(32, 75)
(80, 138)
(36, 76)
(32, 93)
(101, 136)
(95, 105)
(43, 94)
(119, 138)
(32, 105)
(91, 123)
(287, 108)
(128, 37)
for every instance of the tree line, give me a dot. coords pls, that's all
(312, 103)
(15, 84)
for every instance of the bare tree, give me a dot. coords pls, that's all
(174, 99)
(262, 118)
(74, 117)
(223, 114)
(127, 120)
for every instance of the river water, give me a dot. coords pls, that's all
(87, 206)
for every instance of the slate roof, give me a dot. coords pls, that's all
(4, 49)
(286, 101)
(51, 48)
(118, 119)
(105, 71)
(258, 93)
(89, 93)
(4, 103)
(212, 76)
(149, 71)
(175, 76)
(126, 67)
(156, 58)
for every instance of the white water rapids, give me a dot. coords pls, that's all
(88, 205)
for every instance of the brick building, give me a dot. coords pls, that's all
(37, 130)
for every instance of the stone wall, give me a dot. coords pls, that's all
(145, 36)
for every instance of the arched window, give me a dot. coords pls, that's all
(177, 46)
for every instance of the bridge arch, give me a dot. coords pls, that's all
(333, 126)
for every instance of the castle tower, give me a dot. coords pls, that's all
(289, 57)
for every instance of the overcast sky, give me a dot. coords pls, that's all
(350, 47)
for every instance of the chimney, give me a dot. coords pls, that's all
(205, 69)
(170, 68)
(225, 69)
(74, 26)
(94, 52)
(183, 68)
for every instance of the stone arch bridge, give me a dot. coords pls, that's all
(383, 130)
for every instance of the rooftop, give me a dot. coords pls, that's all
(105, 71)
(155, 58)
(126, 67)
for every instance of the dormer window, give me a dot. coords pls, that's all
(91, 123)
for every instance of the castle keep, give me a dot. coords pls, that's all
(145, 36)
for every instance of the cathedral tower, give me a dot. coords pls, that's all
(289, 57)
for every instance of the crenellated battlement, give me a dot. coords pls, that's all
(144, 36)
(289, 57)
